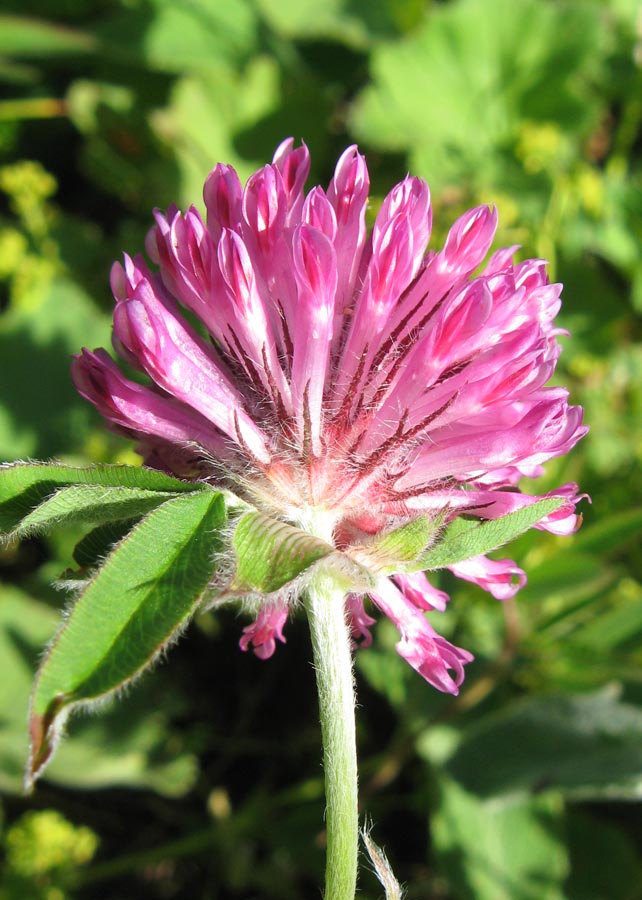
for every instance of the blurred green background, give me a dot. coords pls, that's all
(205, 781)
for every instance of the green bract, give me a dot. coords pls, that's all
(270, 554)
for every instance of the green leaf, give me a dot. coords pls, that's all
(585, 746)
(136, 604)
(270, 554)
(95, 546)
(196, 137)
(24, 486)
(592, 839)
(610, 533)
(308, 19)
(613, 627)
(85, 504)
(173, 36)
(351, 22)
(25, 625)
(44, 416)
(131, 745)
(386, 671)
(128, 745)
(466, 538)
(500, 851)
(454, 92)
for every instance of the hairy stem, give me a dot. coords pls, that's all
(335, 683)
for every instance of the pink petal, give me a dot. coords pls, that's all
(315, 272)
(266, 629)
(318, 212)
(140, 410)
(469, 240)
(264, 210)
(248, 329)
(416, 588)
(502, 578)
(359, 621)
(524, 433)
(294, 166)
(429, 654)
(152, 331)
(398, 243)
(348, 195)
(223, 197)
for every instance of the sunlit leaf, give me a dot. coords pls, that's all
(23, 486)
(135, 605)
(199, 138)
(610, 532)
(125, 746)
(466, 538)
(86, 504)
(41, 413)
(500, 851)
(454, 92)
(174, 37)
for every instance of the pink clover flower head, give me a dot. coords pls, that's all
(357, 373)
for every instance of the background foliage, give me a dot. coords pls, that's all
(205, 781)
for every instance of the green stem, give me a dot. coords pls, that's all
(335, 685)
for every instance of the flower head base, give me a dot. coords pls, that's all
(357, 374)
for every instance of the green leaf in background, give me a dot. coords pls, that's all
(135, 605)
(386, 672)
(125, 746)
(173, 37)
(198, 138)
(21, 36)
(162, 35)
(25, 625)
(593, 842)
(129, 745)
(610, 532)
(271, 554)
(611, 392)
(585, 746)
(352, 22)
(24, 486)
(41, 413)
(490, 850)
(454, 92)
(616, 626)
(310, 19)
(466, 538)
